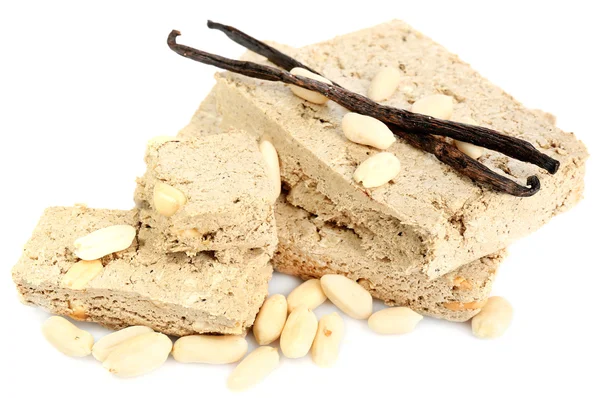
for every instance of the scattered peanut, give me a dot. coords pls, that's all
(67, 338)
(269, 154)
(167, 199)
(298, 333)
(254, 368)
(367, 130)
(398, 320)
(214, 350)
(472, 151)
(326, 345)
(108, 343)
(460, 283)
(377, 170)
(305, 94)
(191, 233)
(493, 319)
(139, 355)
(270, 320)
(348, 296)
(81, 273)
(384, 84)
(436, 105)
(78, 310)
(308, 293)
(104, 241)
(461, 306)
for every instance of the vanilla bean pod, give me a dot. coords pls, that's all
(407, 121)
(453, 157)
(443, 151)
(272, 54)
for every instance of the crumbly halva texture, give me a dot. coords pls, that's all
(429, 218)
(310, 248)
(142, 285)
(224, 180)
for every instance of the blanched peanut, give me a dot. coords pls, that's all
(254, 368)
(493, 319)
(299, 332)
(436, 105)
(398, 320)
(269, 154)
(67, 338)
(348, 296)
(326, 345)
(214, 350)
(471, 150)
(308, 293)
(104, 241)
(167, 199)
(311, 96)
(367, 130)
(108, 343)
(270, 320)
(139, 355)
(79, 311)
(384, 84)
(377, 170)
(81, 273)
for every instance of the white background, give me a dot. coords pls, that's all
(83, 85)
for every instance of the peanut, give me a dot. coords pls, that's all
(167, 199)
(472, 151)
(461, 283)
(191, 233)
(214, 350)
(348, 296)
(308, 95)
(108, 343)
(436, 105)
(308, 293)
(298, 333)
(460, 306)
(78, 310)
(104, 241)
(493, 319)
(326, 345)
(81, 273)
(398, 320)
(139, 355)
(269, 154)
(367, 130)
(377, 170)
(254, 368)
(67, 338)
(384, 84)
(270, 320)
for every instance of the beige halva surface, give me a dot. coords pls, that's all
(429, 219)
(228, 194)
(142, 285)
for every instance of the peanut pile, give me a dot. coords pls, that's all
(138, 350)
